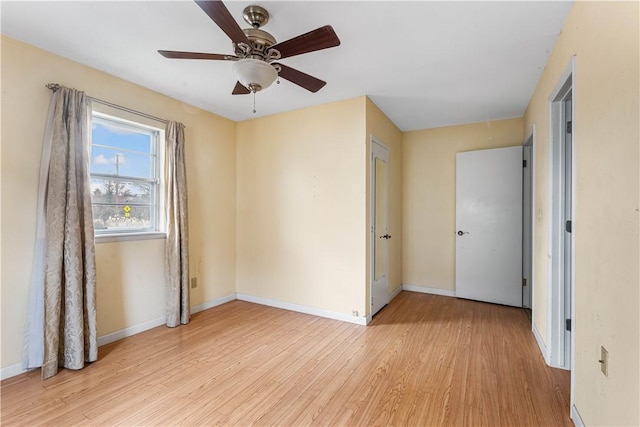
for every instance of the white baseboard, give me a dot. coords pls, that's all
(302, 309)
(541, 344)
(141, 327)
(131, 330)
(12, 371)
(395, 293)
(575, 417)
(426, 290)
(213, 303)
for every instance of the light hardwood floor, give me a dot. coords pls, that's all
(424, 360)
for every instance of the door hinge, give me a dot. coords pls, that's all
(524, 282)
(569, 127)
(524, 163)
(567, 324)
(567, 226)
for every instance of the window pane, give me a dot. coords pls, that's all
(124, 172)
(120, 136)
(123, 192)
(122, 163)
(121, 217)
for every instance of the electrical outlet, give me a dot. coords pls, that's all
(604, 361)
(194, 282)
(354, 312)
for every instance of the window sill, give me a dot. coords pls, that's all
(115, 237)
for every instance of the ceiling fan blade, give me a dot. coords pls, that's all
(195, 55)
(304, 80)
(218, 12)
(239, 89)
(318, 39)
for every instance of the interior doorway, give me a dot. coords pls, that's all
(379, 216)
(528, 215)
(561, 224)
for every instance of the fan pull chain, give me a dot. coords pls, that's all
(254, 101)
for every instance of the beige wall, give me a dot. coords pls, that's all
(301, 183)
(130, 274)
(429, 196)
(604, 38)
(301, 207)
(380, 127)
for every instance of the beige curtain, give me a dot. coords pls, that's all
(177, 261)
(61, 323)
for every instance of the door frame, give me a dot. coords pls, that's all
(529, 219)
(372, 208)
(561, 345)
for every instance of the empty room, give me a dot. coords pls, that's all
(339, 213)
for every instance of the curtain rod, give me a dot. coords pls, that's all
(55, 86)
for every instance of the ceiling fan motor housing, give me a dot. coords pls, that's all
(261, 40)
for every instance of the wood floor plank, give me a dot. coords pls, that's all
(423, 360)
(287, 399)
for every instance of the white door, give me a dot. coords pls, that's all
(489, 225)
(379, 226)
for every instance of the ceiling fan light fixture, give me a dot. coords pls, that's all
(254, 74)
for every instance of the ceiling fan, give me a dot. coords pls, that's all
(256, 51)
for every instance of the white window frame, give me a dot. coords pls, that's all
(157, 230)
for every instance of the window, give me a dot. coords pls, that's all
(125, 177)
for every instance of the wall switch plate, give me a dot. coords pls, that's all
(194, 282)
(604, 361)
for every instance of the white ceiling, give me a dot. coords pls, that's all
(425, 64)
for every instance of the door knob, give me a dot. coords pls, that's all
(386, 236)
(460, 232)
